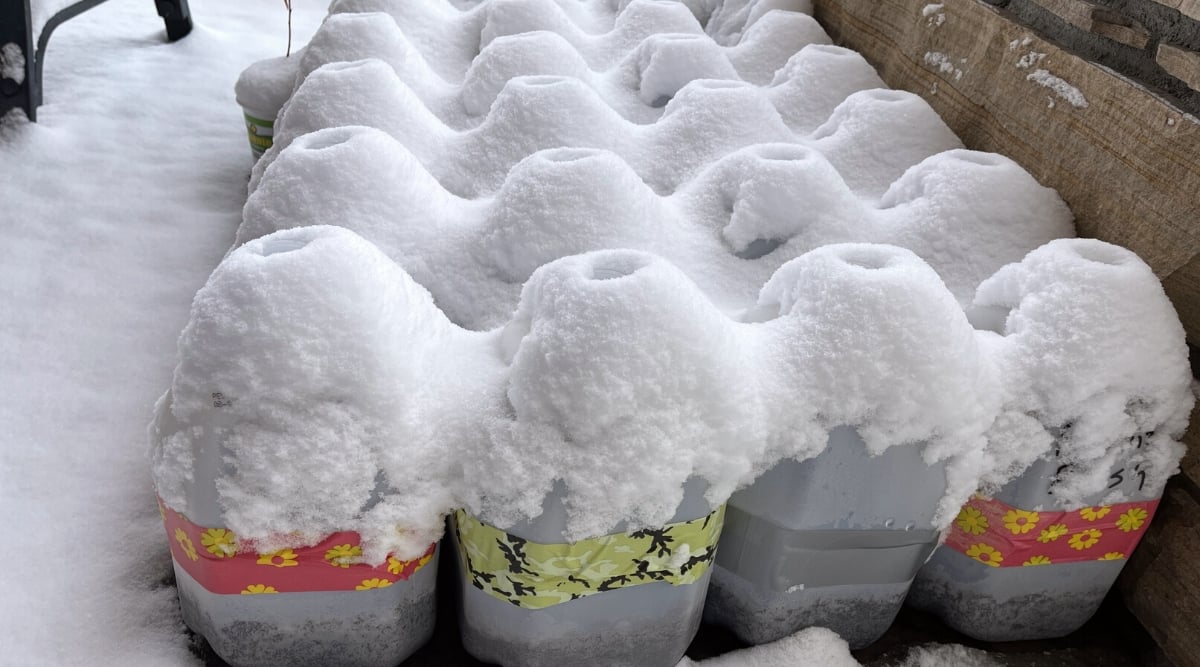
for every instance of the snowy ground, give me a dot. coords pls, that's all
(115, 208)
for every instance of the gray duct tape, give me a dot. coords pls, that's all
(779, 559)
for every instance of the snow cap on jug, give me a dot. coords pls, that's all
(869, 337)
(771, 40)
(370, 35)
(728, 21)
(363, 92)
(1091, 341)
(634, 23)
(637, 381)
(511, 56)
(969, 213)
(370, 184)
(665, 63)
(778, 193)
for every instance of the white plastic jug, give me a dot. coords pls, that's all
(833, 541)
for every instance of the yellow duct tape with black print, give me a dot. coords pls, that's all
(536, 576)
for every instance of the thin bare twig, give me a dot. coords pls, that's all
(288, 4)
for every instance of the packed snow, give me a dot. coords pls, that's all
(474, 254)
(612, 357)
(704, 121)
(12, 63)
(807, 648)
(636, 87)
(1115, 372)
(118, 204)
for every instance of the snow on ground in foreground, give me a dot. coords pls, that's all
(807, 648)
(117, 205)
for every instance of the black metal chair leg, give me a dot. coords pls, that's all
(16, 44)
(177, 16)
(21, 57)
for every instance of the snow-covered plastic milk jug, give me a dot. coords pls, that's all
(835, 539)
(1019, 565)
(629, 598)
(301, 606)
(1095, 361)
(611, 351)
(265, 454)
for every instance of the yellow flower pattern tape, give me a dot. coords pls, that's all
(996, 534)
(535, 576)
(228, 566)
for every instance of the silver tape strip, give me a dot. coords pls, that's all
(780, 559)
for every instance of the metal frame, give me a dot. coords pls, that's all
(16, 28)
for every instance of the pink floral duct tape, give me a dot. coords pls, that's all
(213, 557)
(1000, 535)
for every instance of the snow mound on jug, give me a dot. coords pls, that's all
(872, 136)
(872, 339)
(457, 61)
(1092, 349)
(310, 342)
(345, 400)
(635, 380)
(636, 86)
(809, 647)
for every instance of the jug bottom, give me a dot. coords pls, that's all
(641, 626)
(1012, 603)
(344, 628)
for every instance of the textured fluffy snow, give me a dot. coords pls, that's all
(965, 213)
(1089, 340)
(1060, 87)
(705, 120)
(12, 63)
(629, 355)
(814, 647)
(117, 205)
(41, 11)
(113, 233)
(637, 86)
(948, 655)
(613, 357)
